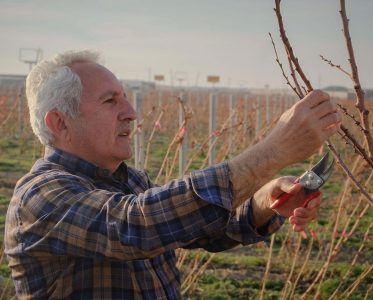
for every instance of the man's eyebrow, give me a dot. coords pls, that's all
(106, 95)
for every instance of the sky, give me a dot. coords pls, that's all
(186, 41)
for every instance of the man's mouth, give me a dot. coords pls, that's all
(123, 134)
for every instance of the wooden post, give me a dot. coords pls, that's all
(212, 128)
(21, 101)
(139, 134)
(232, 114)
(160, 100)
(245, 113)
(258, 125)
(268, 107)
(183, 151)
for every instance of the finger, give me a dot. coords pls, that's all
(330, 120)
(298, 228)
(310, 197)
(315, 97)
(324, 108)
(286, 184)
(299, 221)
(332, 129)
(315, 203)
(289, 185)
(305, 213)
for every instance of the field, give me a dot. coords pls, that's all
(333, 262)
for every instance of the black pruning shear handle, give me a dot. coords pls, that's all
(311, 181)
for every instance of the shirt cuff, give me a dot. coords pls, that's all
(242, 229)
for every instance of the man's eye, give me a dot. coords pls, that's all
(111, 100)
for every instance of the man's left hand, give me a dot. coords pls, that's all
(298, 216)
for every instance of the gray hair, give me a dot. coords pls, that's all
(52, 85)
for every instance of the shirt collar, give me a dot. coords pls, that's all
(79, 165)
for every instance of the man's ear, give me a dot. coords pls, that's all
(56, 123)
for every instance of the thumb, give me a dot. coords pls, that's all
(287, 185)
(291, 187)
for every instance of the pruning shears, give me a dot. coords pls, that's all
(311, 181)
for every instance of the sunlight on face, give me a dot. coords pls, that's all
(101, 132)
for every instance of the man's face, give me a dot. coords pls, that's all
(101, 132)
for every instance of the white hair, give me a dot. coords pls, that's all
(52, 85)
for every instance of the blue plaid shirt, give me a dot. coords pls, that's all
(75, 231)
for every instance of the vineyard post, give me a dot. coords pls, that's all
(212, 127)
(268, 112)
(258, 116)
(183, 151)
(289, 101)
(276, 105)
(246, 107)
(139, 135)
(232, 109)
(20, 96)
(160, 101)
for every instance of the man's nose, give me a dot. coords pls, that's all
(127, 112)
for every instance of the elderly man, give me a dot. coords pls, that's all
(83, 225)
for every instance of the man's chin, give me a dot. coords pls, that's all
(126, 156)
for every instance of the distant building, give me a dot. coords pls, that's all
(137, 84)
(369, 94)
(342, 92)
(339, 92)
(12, 81)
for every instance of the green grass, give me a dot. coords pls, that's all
(227, 260)
(14, 165)
(4, 200)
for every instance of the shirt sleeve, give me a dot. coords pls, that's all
(57, 213)
(239, 231)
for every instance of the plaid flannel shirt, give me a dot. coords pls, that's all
(75, 231)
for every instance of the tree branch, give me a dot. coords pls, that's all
(288, 47)
(364, 113)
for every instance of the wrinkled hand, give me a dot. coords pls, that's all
(298, 216)
(303, 128)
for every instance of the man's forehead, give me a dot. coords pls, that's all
(86, 68)
(96, 77)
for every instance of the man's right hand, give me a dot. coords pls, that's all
(303, 128)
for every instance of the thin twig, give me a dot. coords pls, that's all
(289, 48)
(352, 264)
(330, 63)
(352, 117)
(348, 172)
(295, 79)
(282, 69)
(364, 113)
(359, 149)
(288, 284)
(269, 261)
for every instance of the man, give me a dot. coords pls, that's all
(83, 225)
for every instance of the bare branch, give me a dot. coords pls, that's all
(336, 66)
(364, 113)
(352, 117)
(288, 47)
(352, 177)
(296, 90)
(358, 148)
(299, 89)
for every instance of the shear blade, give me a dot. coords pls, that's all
(323, 168)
